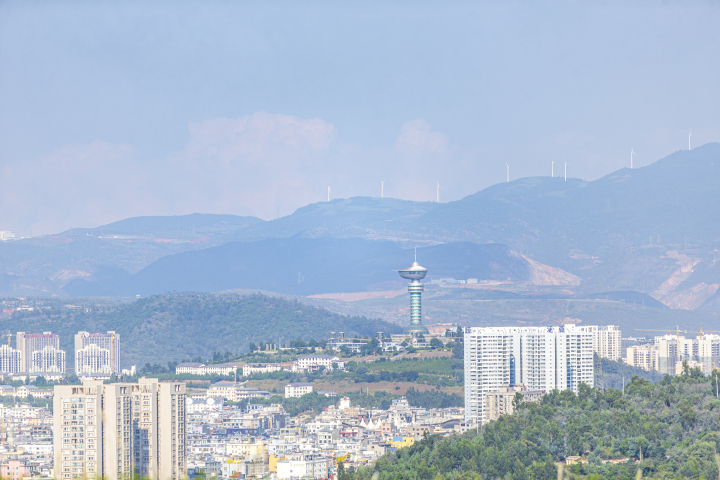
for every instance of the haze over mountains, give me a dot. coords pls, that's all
(648, 230)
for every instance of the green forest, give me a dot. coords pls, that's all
(182, 326)
(666, 430)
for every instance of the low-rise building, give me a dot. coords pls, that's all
(501, 402)
(257, 368)
(314, 362)
(304, 466)
(298, 389)
(195, 368)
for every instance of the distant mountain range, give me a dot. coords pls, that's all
(651, 230)
(307, 266)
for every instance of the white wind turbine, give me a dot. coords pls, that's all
(508, 172)
(438, 192)
(689, 137)
(382, 189)
(632, 152)
(328, 193)
(566, 164)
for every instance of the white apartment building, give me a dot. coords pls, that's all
(313, 362)
(541, 358)
(304, 466)
(97, 359)
(120, 430)
(642, 356)
(607, 341)
(10, 360)
(29, 343)
(47, 360)
(92, 360)
(256, 368)
(298, 389)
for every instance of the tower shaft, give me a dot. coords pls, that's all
(415, 289)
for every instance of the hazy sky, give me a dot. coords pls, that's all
(110, 110)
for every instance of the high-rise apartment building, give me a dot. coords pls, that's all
(120, 430)
(541, 358)
(642, 356)
(10, 360)
(607, 341)
(104, 359)
(48, 360)
(29, 343)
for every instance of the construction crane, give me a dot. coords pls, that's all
(8, 334)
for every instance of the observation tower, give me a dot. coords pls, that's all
(415, 273)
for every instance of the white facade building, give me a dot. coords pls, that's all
(541, 358)
(10, 360)
(254, 368)
(92, 360)
(48, 360)
(29, 343)
(109, 341)
(607, 341)
(305, 466)
(313, 362)
(294, 390)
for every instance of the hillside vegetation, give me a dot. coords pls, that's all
(668, 430)
(181, 326)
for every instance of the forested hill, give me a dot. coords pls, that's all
(667, 430)
(180, 326)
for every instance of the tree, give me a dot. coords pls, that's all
(436, 343)
(252, 347)
(458, 351)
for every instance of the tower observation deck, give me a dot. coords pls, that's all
(414, 273)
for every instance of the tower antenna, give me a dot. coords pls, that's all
(328, 193)
(438, 192)
(382, 189)
(632, 152)
(566, 164)
(508, 172)
(689, 137)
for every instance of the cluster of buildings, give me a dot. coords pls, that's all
(262, 441)
(667, 353)
(39, 355)
(26, 442)
(503, 361)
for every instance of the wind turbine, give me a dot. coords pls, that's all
(438, 192)
(632, 152)
(566, 164)
(552, 170)
(382, 189)
(508, 172)
(689, 136)
(328, 193)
